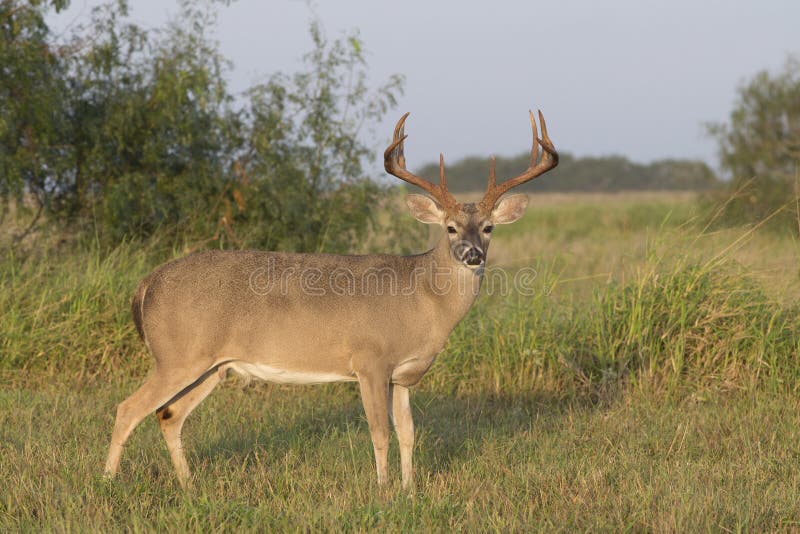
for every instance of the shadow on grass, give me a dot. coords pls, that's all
(450, 430)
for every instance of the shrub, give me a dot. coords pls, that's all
(760, 149)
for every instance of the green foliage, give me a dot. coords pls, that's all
(152, 124)
(32, 94)
(760, 147)
(609, 173)
(126, 133)
(301, 183)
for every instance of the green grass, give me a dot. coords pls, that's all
(648, 382)
(277, 458)
(68, 314)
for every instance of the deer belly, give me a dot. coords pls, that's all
(284, 376)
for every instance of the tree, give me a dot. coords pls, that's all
(127, 132)
(32, 89)
(606, 173)
(760, 146)
(301, 180)
(153, 130)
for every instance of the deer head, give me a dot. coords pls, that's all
(469, 225)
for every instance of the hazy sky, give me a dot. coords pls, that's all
(631, 77)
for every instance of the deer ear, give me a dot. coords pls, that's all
(424, 209)
(509, 209)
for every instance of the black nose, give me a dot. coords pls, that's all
(474, 257)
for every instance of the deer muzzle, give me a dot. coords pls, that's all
(474, 256)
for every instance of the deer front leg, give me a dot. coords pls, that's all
(404, 427)
(375, 397)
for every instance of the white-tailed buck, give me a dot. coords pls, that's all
(313, 318)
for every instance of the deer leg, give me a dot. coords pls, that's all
(404, 427)
(158, 390)
(171, 417)
(375, 397)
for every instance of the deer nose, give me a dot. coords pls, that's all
(474, 256)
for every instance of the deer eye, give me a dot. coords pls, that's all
(451, 229)
(488, 229)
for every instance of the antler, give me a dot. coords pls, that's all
(395, 164)
(548, 160)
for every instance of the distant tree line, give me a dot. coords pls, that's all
(609, 173)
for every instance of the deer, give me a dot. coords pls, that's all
(302, 318)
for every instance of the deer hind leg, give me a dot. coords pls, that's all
(172, 415)
(404, 427)
(158, 390)
(375, 397)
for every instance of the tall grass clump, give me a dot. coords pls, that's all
(690, 324)
(672, 326)
(68, 312)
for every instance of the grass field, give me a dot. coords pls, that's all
(648, 380)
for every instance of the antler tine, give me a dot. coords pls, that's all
(548, 160)
(394, 152)
(394, 162)
(547, 145)
(442, 178)
(535, 143)
(491, 174)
